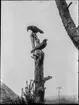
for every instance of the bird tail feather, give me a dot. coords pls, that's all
(41, 31)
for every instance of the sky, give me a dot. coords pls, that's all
(61, 56)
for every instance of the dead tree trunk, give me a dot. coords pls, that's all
(39, 79)
(72, 30)
(39, 85)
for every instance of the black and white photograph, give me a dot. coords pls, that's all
(39, 52)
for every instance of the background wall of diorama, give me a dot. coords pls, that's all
(60, 55)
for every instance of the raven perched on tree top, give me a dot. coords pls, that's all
(34, 29)
(40, 46)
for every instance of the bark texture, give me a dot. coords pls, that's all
(72, 30)
(38, 75)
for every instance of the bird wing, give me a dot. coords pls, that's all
(39, 30)
(36, 29)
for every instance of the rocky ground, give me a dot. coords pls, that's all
(6, 94)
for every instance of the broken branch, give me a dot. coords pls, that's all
(69, 4)
(47, 78)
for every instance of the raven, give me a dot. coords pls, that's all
(41, 46)
(34, 29)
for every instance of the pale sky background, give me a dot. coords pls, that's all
(61, 56)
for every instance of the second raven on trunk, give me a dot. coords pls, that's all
(41, 46)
